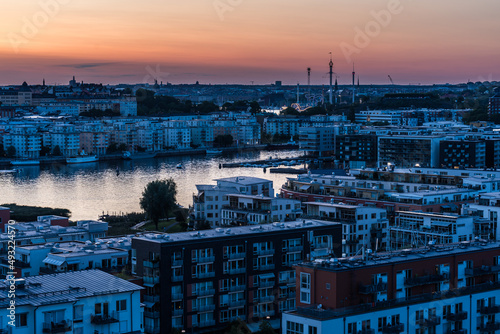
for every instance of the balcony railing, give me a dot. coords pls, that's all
(236, 303)
(152, 314)
(204, 275)
(429, 322)
(393, 329)
(207, 323)
(60, 327)
(458, 316)
(293, 249)
(151, 264)
(489, 309)
(264, 314)
(233, 256)
(103, 319)
(414, 281)
(264, 284)
(263, 299)
(264, 267)
(204, 259)
(489, 327)
(234, 271)
(177, 296)
(456, 331)
(177, 263)
(483, 270)
(177, 278)
(366, 331)
(203, 292)
(237, 288)
(151, 329)
(292, 262)
(367, 289)
(264, 252)
(177, 312)
(151, 279)
(202, 308)
(152, 299)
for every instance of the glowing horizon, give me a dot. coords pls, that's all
(242, 41)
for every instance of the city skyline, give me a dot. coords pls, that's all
(243, 42)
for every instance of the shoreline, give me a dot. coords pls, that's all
(6, 162)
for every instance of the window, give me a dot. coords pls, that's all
(121, 305)
(22, 320)
(294, 328)
(313, 330)
(305, 288)
(78, 313)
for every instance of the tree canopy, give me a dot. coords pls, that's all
(158, 199)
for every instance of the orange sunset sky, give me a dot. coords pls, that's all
(240, 41)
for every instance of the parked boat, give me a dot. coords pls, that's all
(213, 152)
(179, 166)
(82, 159)
(25, 162)
(9, 171)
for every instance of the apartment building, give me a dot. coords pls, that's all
(446, 289)
(362, 226)
(487, 206)
(355, 149)
(67, 138)
(200, 281)
(25, 139)
(80, 302)
(460, 153)
(409, 151)
(258, 209)
(208, 202)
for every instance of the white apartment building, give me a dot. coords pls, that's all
(177, 134)
(362, 226)
(208, 202)
(67, 138)
(487, 205)
(80, 302)
(258, 209)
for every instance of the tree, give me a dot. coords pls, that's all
(223, 140)
(11, 151)
(44, 151)
(266, 328)
(158, 199)
(56, 151)
(2, 151)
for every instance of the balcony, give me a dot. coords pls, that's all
(177, 278)
(234, 256)
(320, 245)
(293, 249)
(366, 331)
(203, 308)
(432, 321)
(60, 327)
(207, 323)
(263, 314)
(203, 292)
(151, 264)
(485, 310)
(263, 299)
(152, 314)
(204, 275)
(293, 262)
(151, 329)
(368, 289)
(264, 252)
(151, 280)
(104, 319)
(458, 316)
(393, 329)
(423, 280)
(152, 299)
(177, 263)
(237, 303)
(204, 259)
(456, 331)
(489, 327)
(234, 271)
(483, 270)
(177, 312)
(177, 296)
(264, 267)
(237, 288)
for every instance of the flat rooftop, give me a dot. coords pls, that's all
(245, 180)
(405, 255)
(234, 231)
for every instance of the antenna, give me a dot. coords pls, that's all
(353, 87)
(331, 77)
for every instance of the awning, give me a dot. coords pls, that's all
(55, 262)
(148, 304)
(266, 276)
(305, 187)
(38, 241)
(72, 261)
(445, 224)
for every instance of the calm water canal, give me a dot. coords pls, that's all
(90, 189)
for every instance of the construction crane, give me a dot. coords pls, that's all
(390, 79)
